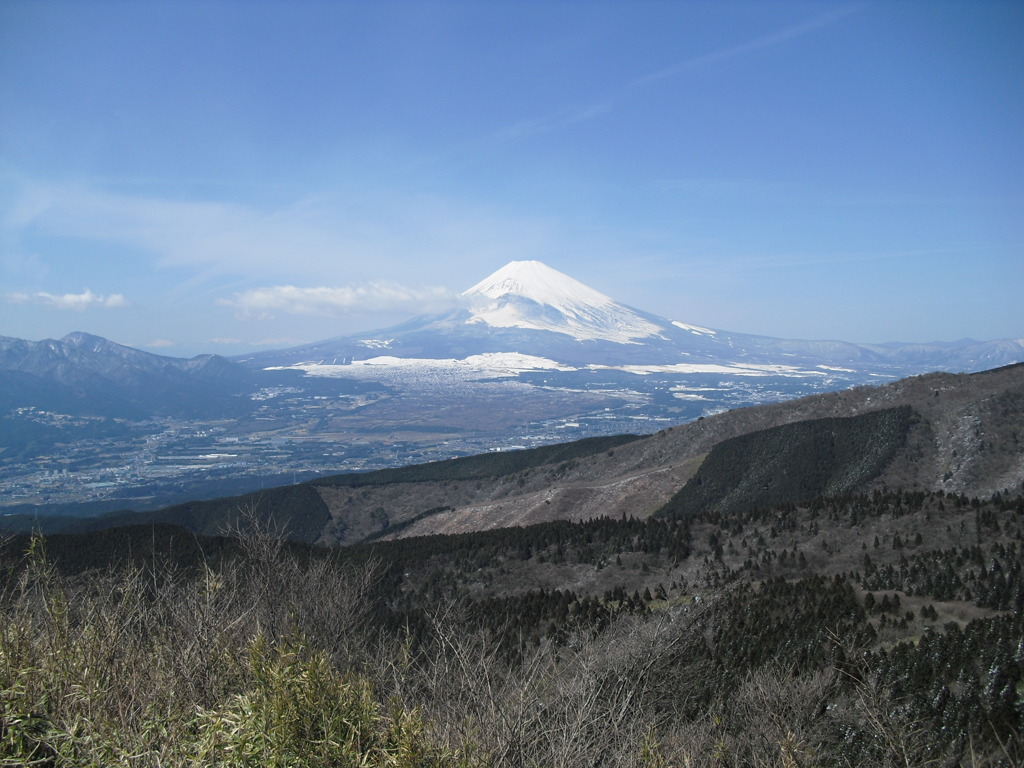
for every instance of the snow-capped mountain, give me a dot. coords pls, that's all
(533, 296)
(527, 308)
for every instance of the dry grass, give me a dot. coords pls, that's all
(269, 661)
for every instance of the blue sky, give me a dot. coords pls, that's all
(222, 176)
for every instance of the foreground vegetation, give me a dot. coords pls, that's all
(884, 630)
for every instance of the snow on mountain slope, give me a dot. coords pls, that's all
(531, 309)
(532, 295)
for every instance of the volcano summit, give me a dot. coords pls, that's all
(528, 309)
(533, 296)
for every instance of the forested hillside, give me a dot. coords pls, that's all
(880, 629)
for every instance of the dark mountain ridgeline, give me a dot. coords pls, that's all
(963, 439)
(940, 432)
(30, 390)
(481, 466)
(295, 511)
(90, 375)
(794, 463)
(299, 512)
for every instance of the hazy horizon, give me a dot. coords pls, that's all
(190, 177)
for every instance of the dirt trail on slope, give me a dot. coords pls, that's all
(635, 494)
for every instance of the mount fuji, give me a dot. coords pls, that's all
(528, 316)
(533, 296)
(529, 357)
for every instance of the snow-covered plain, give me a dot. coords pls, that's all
(491, 365)
(508, 364)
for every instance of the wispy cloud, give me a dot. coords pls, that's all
(551, 122)
(574, 114)
(769, 40)
(328, 234)
(177, 232)
(377, 296)
(75, 301)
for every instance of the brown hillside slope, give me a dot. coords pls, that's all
(969, 440)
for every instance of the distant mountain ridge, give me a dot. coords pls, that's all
(526, 309)
(74, 357)
(529, 308)
(83, 370)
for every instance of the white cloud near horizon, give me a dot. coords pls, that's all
(356, 231)
(178, 232)
(375, 296)
(73, 301)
